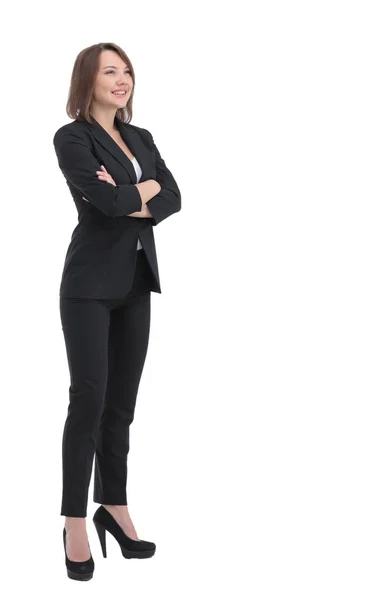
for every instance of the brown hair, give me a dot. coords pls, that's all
(82, 83)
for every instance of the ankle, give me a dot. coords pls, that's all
(76, 523)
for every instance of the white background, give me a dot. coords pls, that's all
(251, 460)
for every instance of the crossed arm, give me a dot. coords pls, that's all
(79, 166)
(168, 200)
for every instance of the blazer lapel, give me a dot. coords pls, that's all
(133, 141)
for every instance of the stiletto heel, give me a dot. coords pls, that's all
(101, 533)
(130, 548)
(80, 570)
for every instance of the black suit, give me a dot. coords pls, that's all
(105, 302)
(100, 260)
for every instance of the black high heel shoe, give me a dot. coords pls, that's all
(81, 570)
(130, 548)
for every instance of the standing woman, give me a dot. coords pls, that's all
(122, 189)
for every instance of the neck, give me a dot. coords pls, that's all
(105, 118)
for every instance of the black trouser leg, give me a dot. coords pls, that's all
(106, 343)
(128, 343)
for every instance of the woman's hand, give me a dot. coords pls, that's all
(104, 176)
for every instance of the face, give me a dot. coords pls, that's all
(113, 75)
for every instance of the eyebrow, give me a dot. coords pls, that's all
(113, 67)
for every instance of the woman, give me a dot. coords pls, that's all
(122, 189)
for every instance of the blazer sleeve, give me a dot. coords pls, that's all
(168, 200)
(79, 165)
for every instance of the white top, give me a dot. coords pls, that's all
(138, 171)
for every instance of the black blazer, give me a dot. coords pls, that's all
(101, 257)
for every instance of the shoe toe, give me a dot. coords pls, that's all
(148, 545)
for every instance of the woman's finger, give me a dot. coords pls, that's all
(105, 176)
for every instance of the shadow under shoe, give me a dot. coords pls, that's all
(130, 548)
(80, 570)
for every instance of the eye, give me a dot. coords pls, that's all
(112, 71)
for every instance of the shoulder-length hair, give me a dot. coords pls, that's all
(83, 78)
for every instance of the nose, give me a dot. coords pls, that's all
(125, 81)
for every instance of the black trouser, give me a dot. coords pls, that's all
(106, 344)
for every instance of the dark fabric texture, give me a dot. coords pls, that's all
(100, 259)
(106, 344)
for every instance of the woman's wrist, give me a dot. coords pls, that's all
(142, 214)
